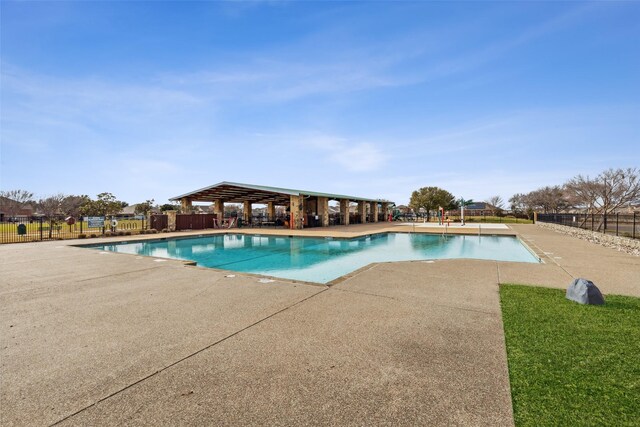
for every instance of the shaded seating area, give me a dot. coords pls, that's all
(304, 209)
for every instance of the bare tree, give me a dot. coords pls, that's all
(13, 200)
(610, 190)
(50, 207)
(72, 205)
(496, 203)
(517, 203)
(547, 199)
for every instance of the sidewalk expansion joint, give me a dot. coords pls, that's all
(186, 358)
(118, 274)
(365, 293)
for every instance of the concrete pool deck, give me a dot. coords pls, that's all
(91, 338)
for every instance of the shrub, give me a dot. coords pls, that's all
(165, 230)
(93, 236)
(120, 233)
(82, 236)
(143, 231)
(127, 233)
(107, 234)
(154, 231)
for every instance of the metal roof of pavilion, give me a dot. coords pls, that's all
(235, 192)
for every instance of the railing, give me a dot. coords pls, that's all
(508, 219)
(626, 225)
(40, 228)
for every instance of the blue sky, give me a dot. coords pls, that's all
(155, 99)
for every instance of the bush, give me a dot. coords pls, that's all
(120, 233)
(82, 236)
(127, 233)
(143, 231)
(93, 236)
(107, 234)
(154, 231)
(165, 230)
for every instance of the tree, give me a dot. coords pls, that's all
(13, 200)
(170, 207)
(50, 207)
(105, 205)
(144, 208)
(72, 205)
(610, 190)
(431, 198)
(546, 199)
(517, 203)
(496, 202)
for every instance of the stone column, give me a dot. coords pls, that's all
(323, 210)
(271, 211)
(344, 210)
(375, 211)
(218, 209)
(186, 205)
(297, 211)
(171, 220)
(247, 212)
(385, 211)
(362, 211)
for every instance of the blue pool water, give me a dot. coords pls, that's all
(322, 260)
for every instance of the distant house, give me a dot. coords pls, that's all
(11, 210)
(130, 211)
(479, 209)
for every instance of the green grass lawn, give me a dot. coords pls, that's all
(572, 364)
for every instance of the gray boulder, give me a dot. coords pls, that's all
(583, 291)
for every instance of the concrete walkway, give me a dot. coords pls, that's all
(112, 339)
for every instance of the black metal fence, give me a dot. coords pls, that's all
(39, 228)
(626, 225)
(421, 217)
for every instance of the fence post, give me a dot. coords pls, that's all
(633, 233)
(41, 228)
(592, 215)
(617, 216)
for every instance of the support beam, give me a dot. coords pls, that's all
(271, 211)
(344, 211)
(186, 205)
(247, 212)
(218, 209)
(323, 210)
(362, 211)
(375, 210)
(385, 211)
(297, 211)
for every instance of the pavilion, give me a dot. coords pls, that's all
(306, 208)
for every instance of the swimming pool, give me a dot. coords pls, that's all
(322, 260)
